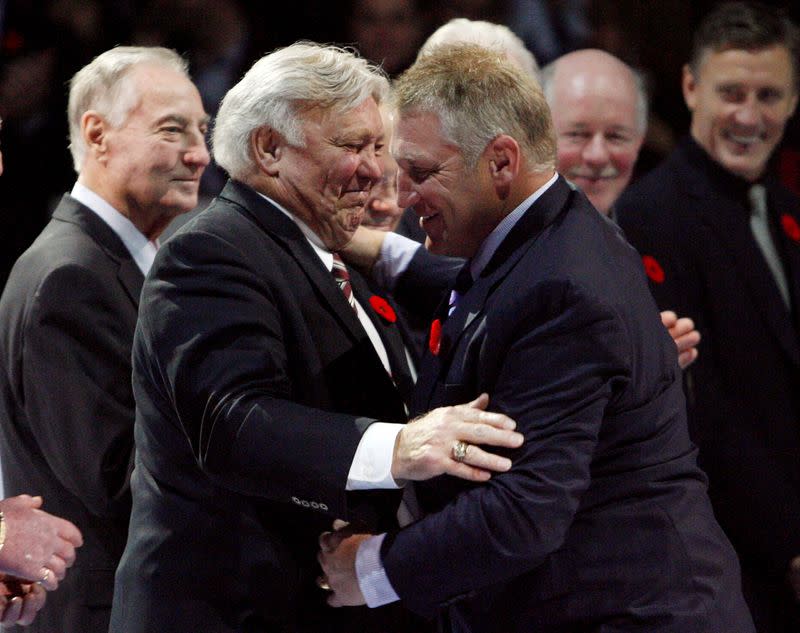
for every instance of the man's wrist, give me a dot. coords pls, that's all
(372, 579)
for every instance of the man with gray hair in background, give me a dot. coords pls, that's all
(269, 384)
(68, 312)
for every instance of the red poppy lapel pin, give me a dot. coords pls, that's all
(653, 269)
(435, 337)
(790, 227)
(382, 307)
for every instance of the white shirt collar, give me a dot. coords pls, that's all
(319, 248)
(142, 250)
(501, 231)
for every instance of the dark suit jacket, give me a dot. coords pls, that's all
(603, 522)
(254, 382)
(67, 318)
(743, 392)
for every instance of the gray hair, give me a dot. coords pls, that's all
(103, 85)
(547, 77)
(478, 94)
(495, 36)
(279, 86)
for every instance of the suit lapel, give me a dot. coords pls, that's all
(727, 219)
(291, 238)
(129, 275)
(520, 239)
(390, 336)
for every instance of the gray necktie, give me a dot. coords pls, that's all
(759, 224)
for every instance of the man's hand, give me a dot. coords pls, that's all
(685, 336)
(793, 575)
(19, 601)
(337, 557)
(364, 249)
(425, 447)
(38, 546)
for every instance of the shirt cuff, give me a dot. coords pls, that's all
(372, 578)
(397, 251)
(372, 463)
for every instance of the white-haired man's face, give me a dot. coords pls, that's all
(598, 132)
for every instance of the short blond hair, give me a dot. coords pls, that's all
(478, 94)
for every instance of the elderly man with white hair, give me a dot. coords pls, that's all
(68, 312)
(269, 382)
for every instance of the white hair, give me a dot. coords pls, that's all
(103, 85)
(547, 77)
(487, 34)
(279, 86)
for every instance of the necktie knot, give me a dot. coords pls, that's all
(463, 283)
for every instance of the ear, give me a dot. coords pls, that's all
(504, 157)
(267, 147)
(689, 85)
(94, 130)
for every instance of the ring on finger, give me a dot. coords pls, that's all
(459, 451)
(45, 577)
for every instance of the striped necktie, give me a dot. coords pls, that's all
(342, 279)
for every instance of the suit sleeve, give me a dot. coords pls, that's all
(743, 470)
(425, 282)
(77, 386)
(214, 345)
(557, 374)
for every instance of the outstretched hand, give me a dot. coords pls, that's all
(39, 547)
(427, 446)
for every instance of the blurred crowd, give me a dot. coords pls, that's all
(44, 42)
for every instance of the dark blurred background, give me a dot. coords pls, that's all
(44, 42)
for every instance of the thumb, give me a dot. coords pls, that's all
(481, 402)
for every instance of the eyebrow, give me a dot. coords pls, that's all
(182, 120)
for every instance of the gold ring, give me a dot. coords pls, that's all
(459, 451)
(322, 583)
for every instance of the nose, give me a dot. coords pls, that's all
(371, 166)
(406, 196)
(197, 153)
(747, 113)
(595, 152)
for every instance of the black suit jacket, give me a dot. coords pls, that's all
(690, 218)
(603, 522)
(67, 318)
(254, 382)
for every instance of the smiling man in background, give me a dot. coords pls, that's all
(720, 238)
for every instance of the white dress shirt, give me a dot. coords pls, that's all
(141, 249)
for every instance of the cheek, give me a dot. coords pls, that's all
(568, 157)
(624, 159)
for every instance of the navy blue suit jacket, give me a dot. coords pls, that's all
(603, 522)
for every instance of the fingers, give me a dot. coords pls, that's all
(495, 432)
(668, 318)
(69, 532)
(12, 611)
(32, 602)
(48, 579)
(329, 541)
(481, 402)
(687, 358)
